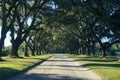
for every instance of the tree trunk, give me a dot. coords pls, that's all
(77, 51)
(0, 52)
(14, 52)
(37, 52)
(32, 48)
(15, 45)
(3, 36)
(104, 53)
(88, 45)
(40, 52)
(80, 50)
(1, 46)
(3, 31)
(26, 50)
(93, 49)
(83, 50)
(88, 51)
(33, 52)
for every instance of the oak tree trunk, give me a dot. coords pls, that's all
(14, 52)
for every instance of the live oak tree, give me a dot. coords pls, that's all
(28, 17)
(86, 23)
(92, 15)
(7, 17)
(106, 10)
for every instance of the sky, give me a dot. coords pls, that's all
(7, 40)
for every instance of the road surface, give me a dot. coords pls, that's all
(58, 67)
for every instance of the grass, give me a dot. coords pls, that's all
(11, 66)
(108, 68)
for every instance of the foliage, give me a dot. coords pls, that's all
(77, 26)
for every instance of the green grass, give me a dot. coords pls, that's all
(108, 68)
(11, 66)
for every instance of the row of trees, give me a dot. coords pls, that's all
(72, 25)
(25, 19)
(90, 24)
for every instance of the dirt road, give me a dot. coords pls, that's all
(58, 67)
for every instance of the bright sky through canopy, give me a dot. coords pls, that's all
(7, 40)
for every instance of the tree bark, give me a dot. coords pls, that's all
(33, 52)
(3, 30)
(104, 53)
(14, 52)
(32, 48)
(40, 52)
(26, 50)
(77, 51)
(1, 45)
(37, 51)
(80, 50)
(93, 49)
(88, 49)
(0, 52)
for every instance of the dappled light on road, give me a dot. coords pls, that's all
(59, 67)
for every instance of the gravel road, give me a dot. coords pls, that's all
(58, 67)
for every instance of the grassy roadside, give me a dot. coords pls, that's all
(11, 66)
(108, 68)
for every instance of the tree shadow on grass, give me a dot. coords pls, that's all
(117, 65)
(2, 60)
(44, 77)
(6, 72)
(97, 60)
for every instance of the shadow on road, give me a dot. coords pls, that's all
(58, 67)
(45, 77)
(61, 60)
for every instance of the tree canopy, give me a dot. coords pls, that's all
(75, 26)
